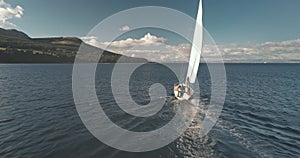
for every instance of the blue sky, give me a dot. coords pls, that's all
(244, 30)
(230, 21)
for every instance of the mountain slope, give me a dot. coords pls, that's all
(13, 33)
(17, 47)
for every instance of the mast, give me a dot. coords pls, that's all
(195, 56)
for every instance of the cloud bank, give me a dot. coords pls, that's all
(7, 12)
(283, 51)
(156, 49)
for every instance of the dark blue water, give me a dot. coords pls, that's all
(260, 117)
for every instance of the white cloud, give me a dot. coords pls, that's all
(125, 28)
(150, 47)
(147, 40)
(7, 12)
(92, 40)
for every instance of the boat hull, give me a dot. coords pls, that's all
(185, 93)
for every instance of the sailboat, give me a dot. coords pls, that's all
(184, 91)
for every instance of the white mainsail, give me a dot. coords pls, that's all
(196, 49)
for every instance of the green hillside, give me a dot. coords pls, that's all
(17, 47)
